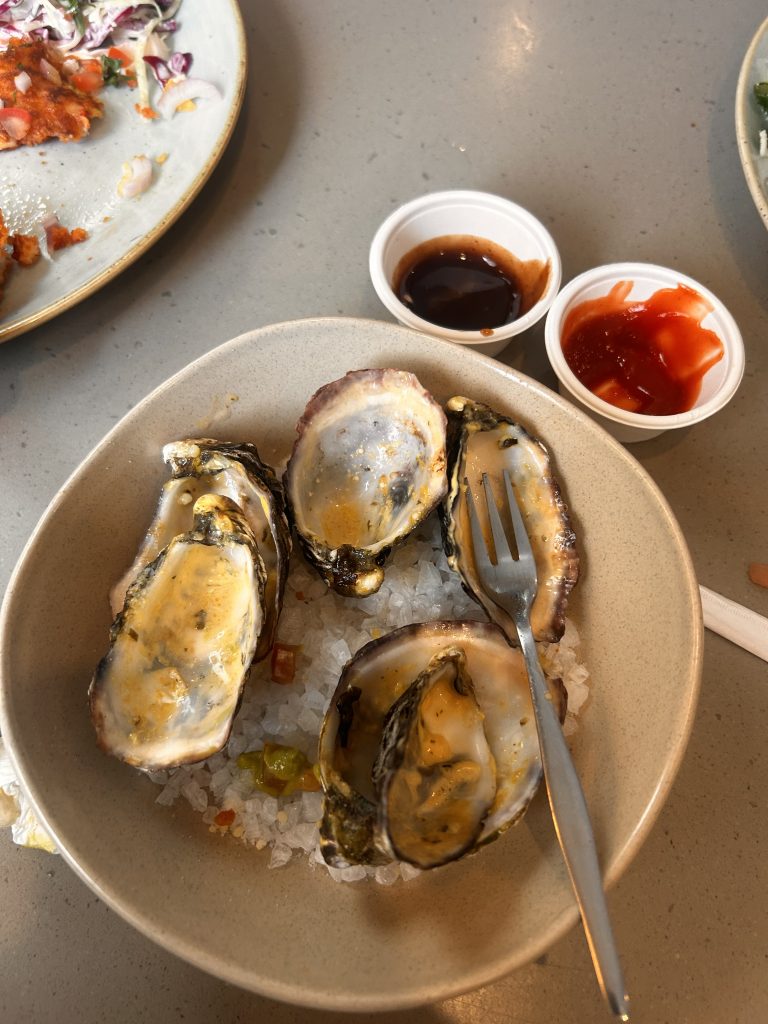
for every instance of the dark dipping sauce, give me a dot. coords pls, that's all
(645, 356)
(468, 283)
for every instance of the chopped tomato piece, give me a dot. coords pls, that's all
(92, 65)
(224, 818)
(758, 573)
(283, 663)
(115, 53)
(15, 122)
(87, 81)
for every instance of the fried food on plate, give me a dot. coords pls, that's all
(38, 104)
(25, 249)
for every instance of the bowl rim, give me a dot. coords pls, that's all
(609, 274)
(744, 137)
(456, 197)
(213, 964)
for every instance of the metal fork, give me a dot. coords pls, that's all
(511, 584)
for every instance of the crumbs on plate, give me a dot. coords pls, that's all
(25, 249)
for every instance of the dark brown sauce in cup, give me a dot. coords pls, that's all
(467, 283)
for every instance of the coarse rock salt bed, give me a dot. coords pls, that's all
(419, 587)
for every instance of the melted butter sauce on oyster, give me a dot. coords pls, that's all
(204, 466)
(179, 617)
(341, 520)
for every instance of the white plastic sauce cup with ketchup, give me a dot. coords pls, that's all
(718, 384)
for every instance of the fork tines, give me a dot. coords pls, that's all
(502, 550)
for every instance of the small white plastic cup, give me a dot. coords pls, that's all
(463, 212)
(719, 383)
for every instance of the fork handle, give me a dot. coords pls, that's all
(574, 832)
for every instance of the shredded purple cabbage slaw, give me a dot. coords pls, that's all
(91, 27)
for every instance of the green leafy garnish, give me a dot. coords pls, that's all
(113, 74)
(73, 6)
(761, 95)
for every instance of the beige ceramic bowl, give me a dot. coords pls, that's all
(293, 934)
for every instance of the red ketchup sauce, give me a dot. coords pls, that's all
(646, 356)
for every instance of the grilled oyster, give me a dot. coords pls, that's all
(374, 755)
(205, 466)
(367, 467)
(169, 686)
(483, 441)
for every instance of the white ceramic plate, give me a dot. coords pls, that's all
(750, 119)
(78, 180)
(293, 933)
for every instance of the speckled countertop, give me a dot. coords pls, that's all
(614, 123)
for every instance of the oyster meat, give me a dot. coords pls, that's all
(429, 748)
(434, 775)
(168, 688)
(483, 441)
(204, 466)
(368, 465)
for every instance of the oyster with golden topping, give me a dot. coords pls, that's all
(367, 467)
(168, 688)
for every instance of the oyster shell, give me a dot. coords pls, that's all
(204, 466)
(483, 441)
(169, 686)
(356, 826)
(368, 465)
